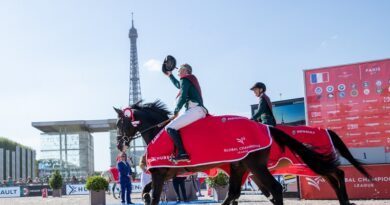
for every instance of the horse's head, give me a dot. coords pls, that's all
(126, 127)
(138, 118)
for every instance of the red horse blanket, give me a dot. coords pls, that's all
(212, 140)
(315, 138)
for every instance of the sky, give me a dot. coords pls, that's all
(69, 60)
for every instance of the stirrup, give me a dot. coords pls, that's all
(181, 158)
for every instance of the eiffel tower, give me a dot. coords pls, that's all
(134, 88)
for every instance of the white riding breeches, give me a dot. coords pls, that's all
(191, 115)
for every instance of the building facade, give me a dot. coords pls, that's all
(72, 153)
(68, 146)
(16, 161)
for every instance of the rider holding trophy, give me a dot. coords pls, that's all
(264, 113)
(190, 96)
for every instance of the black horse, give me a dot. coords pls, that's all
(152, 115)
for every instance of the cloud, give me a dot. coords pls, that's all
(328, 41)
(153, 65)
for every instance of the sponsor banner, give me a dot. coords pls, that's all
(358, 186)
(76, 189)
(79, 189)
(353, 100)
(35, 190)
(136, 187)
(8, 192)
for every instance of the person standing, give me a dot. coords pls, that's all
(125, 172)
(264, 113)
(145, 177)
(179, 182)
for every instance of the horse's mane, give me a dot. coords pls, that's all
(156, 106)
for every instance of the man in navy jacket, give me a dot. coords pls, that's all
(125, 178)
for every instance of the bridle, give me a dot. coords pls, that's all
(128, 112)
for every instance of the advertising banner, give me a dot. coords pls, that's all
(76, 189)
(79, 189)
(358, 186)
(8, 192)
(34, 190)
(354, 101)
(135, 187)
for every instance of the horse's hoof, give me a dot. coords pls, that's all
(146, 198)
(235, 203)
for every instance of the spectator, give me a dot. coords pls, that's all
(180, 182)
(47, 179)
(145, 177)
(74, 180)
(29, 180)
(196, 182)
(20, 181)
(37, 180)
(10, 182)
(82, 179)
(125, 172)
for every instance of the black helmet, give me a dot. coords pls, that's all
(169, 64)
(259, 85)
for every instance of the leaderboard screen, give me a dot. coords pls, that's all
(353, 100)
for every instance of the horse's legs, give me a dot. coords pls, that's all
(113, 190)
(335, 185)
(341, 178)
(145, 193)
(256, 162)
(237, 171)
(269, 183)
(337, 181)
(261, 187)
(158, 177)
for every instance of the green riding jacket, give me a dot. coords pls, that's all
(264, 113)
(187, 93)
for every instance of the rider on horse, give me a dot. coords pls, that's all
(189, 95)
(264, 112)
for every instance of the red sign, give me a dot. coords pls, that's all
(353, 100)
(358, 186)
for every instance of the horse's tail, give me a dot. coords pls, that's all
(344, 151)
(320, 163)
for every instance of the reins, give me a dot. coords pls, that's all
(139, 134)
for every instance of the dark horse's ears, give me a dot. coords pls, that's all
(119, 111)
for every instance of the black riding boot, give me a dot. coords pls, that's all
(181, 154)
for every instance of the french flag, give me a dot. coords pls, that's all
(319, 77)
